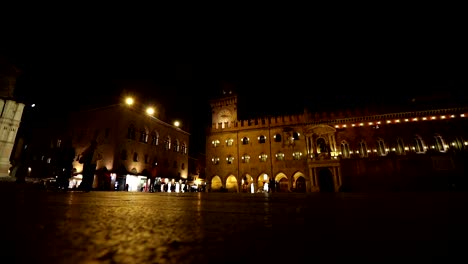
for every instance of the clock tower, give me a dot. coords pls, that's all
(224, 109)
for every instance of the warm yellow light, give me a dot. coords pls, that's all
(177, 123)
(150, 110)
(129, 101)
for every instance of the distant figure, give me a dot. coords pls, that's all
(89, 160)
(65, 156)
(153, 174)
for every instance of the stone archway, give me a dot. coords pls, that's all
(300, 185)
(216, 184)
(231, 184)
(325, 180)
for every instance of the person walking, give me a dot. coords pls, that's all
(89, 159)
(65, 156)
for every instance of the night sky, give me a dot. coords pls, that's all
(292, 72)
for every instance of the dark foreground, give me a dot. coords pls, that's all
(119, 227)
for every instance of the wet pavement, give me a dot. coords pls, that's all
(42, 226)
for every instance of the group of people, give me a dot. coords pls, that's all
(65, 157)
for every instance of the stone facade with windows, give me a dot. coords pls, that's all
(132, 144)
(422, 149)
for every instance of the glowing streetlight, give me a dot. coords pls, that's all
(150, 110)
(176, 123)
(129, 101)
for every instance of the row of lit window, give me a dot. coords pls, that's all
(262, 157)
(345, 152)
(396, 121)
(261, 139)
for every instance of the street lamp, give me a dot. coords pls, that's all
(150, 110)
(129, 101)
(176, 123)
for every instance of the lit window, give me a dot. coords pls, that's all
(215, 143)
(381, 149)
(345, 149)
(277, 138)
(297, 155)
(246, 158)
(263, 157)
(261, 139)
(279, 156)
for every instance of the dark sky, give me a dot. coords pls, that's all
(267, 69)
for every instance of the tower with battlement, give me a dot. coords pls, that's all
(361, 149)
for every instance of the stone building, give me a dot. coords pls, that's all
(134, 147)
(393, 149)
(11, 112)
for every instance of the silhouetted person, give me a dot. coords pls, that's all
(65, 156)
(89, 159)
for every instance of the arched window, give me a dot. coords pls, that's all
(279, 156)
(381, 149)
(131, 132)
(261, 139)
(277, 138)
(229, 142)
(215, 143)
(297, 155)
(345, 153)
(322, 145)
(154, 139)
(230, 159)
(418, 145)
(263, 157)
(400, 147)
(143, 136)
(245, 141)
(184, 148)
(176, 146)
(362, 149)
(215, 160)
(246, 158)
(295, 135)
(135, 157)
(440, 143)
(458, 143)
(167, 143)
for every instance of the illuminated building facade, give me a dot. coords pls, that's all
(357, 150)
(11, 112)
(134, 146)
